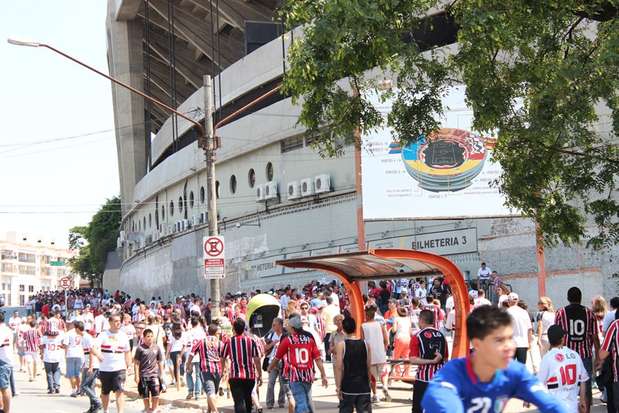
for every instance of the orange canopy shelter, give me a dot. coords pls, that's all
(381, 264)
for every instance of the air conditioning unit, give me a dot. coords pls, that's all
(322, 184)
(260, 193)
(294, 190)
(270, 190)
(307, 187)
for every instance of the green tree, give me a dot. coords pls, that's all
(95, 240)
(535, 71)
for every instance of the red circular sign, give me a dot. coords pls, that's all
(213, 247)
(66, 282)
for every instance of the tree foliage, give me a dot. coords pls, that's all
(95, 240)
(538, 72)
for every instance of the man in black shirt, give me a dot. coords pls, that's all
(352, 368)
(148, 362)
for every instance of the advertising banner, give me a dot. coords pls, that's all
(447, 174)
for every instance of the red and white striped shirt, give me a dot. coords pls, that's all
(211, 351)
(241, 351)
(611, 344)
(580, 326)
(31, 339)
(425, 345)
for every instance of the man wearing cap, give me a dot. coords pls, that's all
(523, 328)
(563, 372)
(302, 352)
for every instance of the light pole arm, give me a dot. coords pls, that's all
(118, 82)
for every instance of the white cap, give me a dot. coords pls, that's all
(512, 296)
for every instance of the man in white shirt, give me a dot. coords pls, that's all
(113, 351)
(6, 363)
(90, 373)
(75, 355)
(523, 328)
(194, 376)
(421, 292)
(481, 299)
(101, 322)
(88, 319)
(52, 353)
(563, 372)
(484, 272)
(14, 323)
(610, 315)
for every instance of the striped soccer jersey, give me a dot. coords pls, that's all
(301, 351)
(241, 350)
(426, 344)
(580, 325)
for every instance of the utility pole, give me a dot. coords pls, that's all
(209, 152)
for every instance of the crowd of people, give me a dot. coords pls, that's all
(185, 343)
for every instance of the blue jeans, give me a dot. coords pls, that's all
(194, 387)
(88, 387)
(302, 393)
(52, 371)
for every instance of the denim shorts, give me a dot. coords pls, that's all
(74, 367)
(5, 375)
(302, 393)
(210, 381)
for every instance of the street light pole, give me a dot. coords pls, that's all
(211, 190)
(113, 80)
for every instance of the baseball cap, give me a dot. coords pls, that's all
(512, 296)
(295, 322)
(555, 333)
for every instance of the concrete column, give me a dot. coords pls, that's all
(124, 42)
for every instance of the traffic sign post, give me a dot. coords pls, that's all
(65, 283)
(214, 257)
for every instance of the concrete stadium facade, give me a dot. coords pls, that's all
(163, 189)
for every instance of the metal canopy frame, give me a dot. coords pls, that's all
(352, 268)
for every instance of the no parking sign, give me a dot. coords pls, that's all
(214, 257)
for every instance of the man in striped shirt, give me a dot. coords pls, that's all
(210, 351)
(581, 327)
(31, 339)
(610, 347)
(302, 352)
(428, 350)
(243, 365)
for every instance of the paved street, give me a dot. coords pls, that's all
(33, 398)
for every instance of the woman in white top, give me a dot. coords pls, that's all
(375, 335)
(401, 348)
(545, 318)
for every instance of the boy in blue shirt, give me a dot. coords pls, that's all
(484, 381)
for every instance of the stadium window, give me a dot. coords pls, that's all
(292, 143)
(233, 184)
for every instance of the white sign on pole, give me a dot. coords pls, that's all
(443, 175)
(214, 257)
(65, 282)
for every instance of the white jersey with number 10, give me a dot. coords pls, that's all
(562, 371)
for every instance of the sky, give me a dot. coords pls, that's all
(58, 161)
